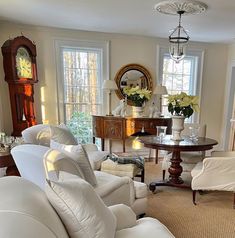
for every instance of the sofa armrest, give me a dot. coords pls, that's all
(126, 218)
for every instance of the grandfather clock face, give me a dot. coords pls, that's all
(23, 63)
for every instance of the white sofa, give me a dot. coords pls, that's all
(25, 212)
(112, 189)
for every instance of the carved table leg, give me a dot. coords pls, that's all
(175, 169)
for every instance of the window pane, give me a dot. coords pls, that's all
(82, 90)
(178, 77)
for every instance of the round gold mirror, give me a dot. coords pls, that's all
(132, 75)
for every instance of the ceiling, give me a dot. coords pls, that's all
(136, 17)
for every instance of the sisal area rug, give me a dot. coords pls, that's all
(213, 217)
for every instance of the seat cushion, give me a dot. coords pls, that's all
(77, 153)
(197, 169)
(82, 211)
(146, 227)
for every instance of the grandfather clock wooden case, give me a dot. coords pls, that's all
(19, 62)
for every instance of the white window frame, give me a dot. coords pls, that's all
(103, 46)
(161, 50)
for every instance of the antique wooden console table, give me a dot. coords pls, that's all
(120, 128)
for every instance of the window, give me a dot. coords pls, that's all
(184, 76)
(80, 87)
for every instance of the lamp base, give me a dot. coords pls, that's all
(109, 115)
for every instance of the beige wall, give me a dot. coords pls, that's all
(124, 49)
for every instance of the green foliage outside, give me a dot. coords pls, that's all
(81, 127)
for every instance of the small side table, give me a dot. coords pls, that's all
(6, 160)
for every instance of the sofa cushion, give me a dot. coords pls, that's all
(81, 209)
(77, 153)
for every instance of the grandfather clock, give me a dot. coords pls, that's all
(19, 62)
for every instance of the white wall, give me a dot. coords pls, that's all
(227, 97)
(124, 49)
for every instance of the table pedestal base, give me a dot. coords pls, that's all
(153, 185)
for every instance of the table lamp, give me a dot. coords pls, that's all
(109, 86)
(160, 90)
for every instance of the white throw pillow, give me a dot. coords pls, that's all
(81, 210)
(96, 158)
(77, 153)
(62, 135)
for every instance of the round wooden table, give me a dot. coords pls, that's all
(176, 147)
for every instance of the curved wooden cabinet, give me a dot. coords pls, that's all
(111, 127)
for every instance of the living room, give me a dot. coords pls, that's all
(125, 44)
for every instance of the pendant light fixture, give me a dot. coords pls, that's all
(179, 38)
(178, 41)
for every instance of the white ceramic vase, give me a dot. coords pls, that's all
(177, 127)
(137, 111)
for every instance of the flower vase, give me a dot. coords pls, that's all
(177, 127)
(137, 111)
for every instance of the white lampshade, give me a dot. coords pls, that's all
(160, 90)
(109, 85)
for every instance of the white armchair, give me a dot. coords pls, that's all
(112, 189)
(40, 135)
(28, 213)
(214, 173)
(189, 159)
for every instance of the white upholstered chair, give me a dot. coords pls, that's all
(40, 135)
(112, 189)
(189, 159)
(26, 212)
(215, 173)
